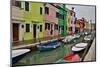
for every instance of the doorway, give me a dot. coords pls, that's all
(15, 32)
(34, 30)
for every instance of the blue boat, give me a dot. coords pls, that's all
(48, 46)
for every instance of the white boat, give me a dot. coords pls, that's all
(67, 39)
(70, 38)
(19, 52)
(88, 37)
(79, 47)
(76, 36)
(76, 49)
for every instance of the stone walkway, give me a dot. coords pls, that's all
(91, 53)
(22, 44)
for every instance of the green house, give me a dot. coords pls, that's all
(62, 21)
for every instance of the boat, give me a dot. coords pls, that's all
(87, 38)
(18, 54)
(68, 39)
(71, 38)
(48, 46)
(79, 47)
(76, 36)
(72, 58)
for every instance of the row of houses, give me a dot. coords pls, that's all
(32, 20)
(37, 20)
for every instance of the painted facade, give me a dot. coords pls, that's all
(41, 20)
(33, 27)
(68, 17)
(62, 19)
(72, 23)
(90, 25)
(77, 26)
(87, 25)
(51, 21)
(17, 20)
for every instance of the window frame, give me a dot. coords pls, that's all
(27, 29)
(27, 7)
(46, 10)
(41, 28)
(41, 10)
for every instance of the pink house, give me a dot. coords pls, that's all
(51, 21)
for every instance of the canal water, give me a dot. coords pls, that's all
(46, 57)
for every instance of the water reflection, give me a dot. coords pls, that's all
(45, 57)
(51, 56)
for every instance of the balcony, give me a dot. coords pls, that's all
(16, 13)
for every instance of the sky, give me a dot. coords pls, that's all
(87, 12)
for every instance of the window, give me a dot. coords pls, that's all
(56, 27)
(27, 6)
(60, 16)
(47, 26)
(40, 10)
(57, 14)
(59, 28)
(40, 28)
(46, 10)
(18, 4)
(27, 27)
(62, 27)
(70, 28)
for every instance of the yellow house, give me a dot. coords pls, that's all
(33, 27)
(68, 21)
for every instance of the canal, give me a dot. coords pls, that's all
(47, 57)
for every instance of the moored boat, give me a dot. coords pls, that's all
(48, 46)
(18, 54)
(79, 47)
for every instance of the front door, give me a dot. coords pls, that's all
(15, 32)
(34, 30)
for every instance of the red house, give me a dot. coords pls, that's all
(82, 24)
